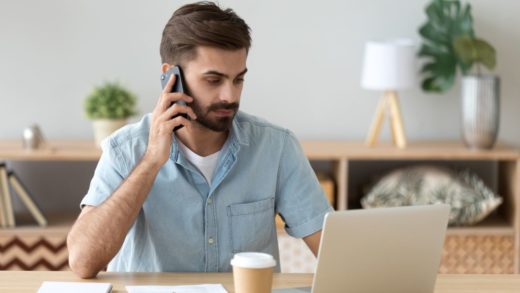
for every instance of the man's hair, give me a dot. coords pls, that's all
(202, 24)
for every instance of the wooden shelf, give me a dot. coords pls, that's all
(492, 225)
(420, 150)
(52, 150)
(85, 150)
(58, 224)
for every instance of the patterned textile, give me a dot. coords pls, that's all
(470, 199)
(478, 254)
(33, 252)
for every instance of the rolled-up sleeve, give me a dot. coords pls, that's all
(107, 176)
(300, 199)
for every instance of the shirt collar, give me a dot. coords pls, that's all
(237, 132)
(237, 136)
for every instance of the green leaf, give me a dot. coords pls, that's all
(433, 12)
(471, 50)
(449, 44)
(428, 67)
(466, 22)
(465, 49)
(438, 84)
(428, 85)
(445, 65)
(456, 5)
(428, 50)
(428, 31)
(440, 71)
(464, 67)
(486, 53)
(111, 101)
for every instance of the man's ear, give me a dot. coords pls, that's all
(165, 67)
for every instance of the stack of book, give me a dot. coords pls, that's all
(7, 216)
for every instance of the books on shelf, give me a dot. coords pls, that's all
(27, 199)
(3, 221)
(2, 224)
(10, 179)
(6, 198)
(3, 211)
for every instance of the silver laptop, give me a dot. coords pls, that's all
(380, 250)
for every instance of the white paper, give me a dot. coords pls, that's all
(204, 288)
(76, 287)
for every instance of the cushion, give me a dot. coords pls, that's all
(469, 198)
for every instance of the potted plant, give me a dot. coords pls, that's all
(109, 106)
(449, 42)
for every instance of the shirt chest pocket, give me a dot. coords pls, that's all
(252, 225)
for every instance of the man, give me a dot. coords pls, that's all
(188, 200)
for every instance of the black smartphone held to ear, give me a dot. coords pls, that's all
(178, 87)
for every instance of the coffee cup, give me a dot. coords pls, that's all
(253, 272)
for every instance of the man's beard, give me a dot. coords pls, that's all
(219, 124)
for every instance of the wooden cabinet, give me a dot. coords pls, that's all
(492, 246)
(29, 247)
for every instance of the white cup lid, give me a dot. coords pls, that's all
(253, 260)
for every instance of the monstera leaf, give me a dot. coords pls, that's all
(449, 43)
(446, 21)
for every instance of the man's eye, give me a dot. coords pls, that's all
(239, 80)
(213, 81)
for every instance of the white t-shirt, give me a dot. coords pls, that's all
(206, 165)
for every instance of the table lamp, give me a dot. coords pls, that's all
(388, 67)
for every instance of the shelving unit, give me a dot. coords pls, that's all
(27, 246)
(492, 246)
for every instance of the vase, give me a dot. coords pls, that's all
(32, 137)
(480, 110)
(104, 127)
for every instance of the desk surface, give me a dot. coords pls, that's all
(15, 281)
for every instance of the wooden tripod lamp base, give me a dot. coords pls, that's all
(388, 104)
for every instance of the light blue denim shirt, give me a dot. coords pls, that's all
(188, 225)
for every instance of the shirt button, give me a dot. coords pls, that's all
(210, 201)
(210, 240)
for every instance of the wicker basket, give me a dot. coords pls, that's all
(478, 254)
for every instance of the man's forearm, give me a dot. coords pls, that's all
(98, 233)
(313, 242)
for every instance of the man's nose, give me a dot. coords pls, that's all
(229, 93)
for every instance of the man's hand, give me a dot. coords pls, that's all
(161, 129)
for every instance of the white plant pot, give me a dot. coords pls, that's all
(104, 127)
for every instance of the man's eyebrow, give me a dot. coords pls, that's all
(243, 72)
(215, 72)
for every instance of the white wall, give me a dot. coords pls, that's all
(304, 65)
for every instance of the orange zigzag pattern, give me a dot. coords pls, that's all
(31, 267)
(29, 248)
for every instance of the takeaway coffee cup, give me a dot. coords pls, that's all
(253, 272)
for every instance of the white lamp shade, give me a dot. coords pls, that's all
(389, 65)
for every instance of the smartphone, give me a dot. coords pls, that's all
(178, 87)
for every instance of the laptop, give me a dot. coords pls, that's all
(380, 250)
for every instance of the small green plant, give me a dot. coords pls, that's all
(110, 101)
(450, 42)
